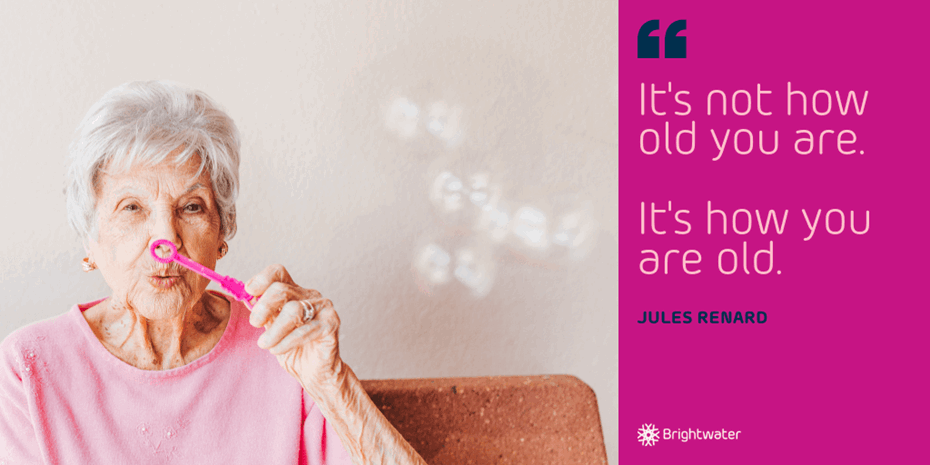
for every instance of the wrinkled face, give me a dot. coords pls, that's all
(140, 206)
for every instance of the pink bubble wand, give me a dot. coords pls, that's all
(232, 285)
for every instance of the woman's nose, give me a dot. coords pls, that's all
(165, 226)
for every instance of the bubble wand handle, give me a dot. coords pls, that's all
(232, 285)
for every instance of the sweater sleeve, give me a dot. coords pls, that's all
(18, 441)
(320, 445)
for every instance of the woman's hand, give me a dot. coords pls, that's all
(308, 350)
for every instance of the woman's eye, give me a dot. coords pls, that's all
(131, 207)
(192, 208)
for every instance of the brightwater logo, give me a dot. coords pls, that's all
(649, 434)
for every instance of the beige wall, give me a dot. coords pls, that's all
(335, 187)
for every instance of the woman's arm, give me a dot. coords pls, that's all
(302, 330)
(364, 431)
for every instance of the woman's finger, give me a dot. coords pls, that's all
(290, 317)
(291, 321)
(271, 301)
(272, 274)
(303, 333)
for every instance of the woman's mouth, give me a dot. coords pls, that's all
(164, 282)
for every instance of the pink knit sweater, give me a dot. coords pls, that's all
(64, 399)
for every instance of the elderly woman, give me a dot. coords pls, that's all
(163, 371)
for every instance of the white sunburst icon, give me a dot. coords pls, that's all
(648, 434)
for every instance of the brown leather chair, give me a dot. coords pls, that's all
(497, 419)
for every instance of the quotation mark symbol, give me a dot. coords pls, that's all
(675, 47)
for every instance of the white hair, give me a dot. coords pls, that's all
(144, 122)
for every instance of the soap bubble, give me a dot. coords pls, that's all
(433, 263)
(444, 121)
(403, 117)
(475, 268)
(530, 228)
(554, 230)
(494, 220)
(574, 228)
(447, 192)
(441, 259)
(463, 194)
